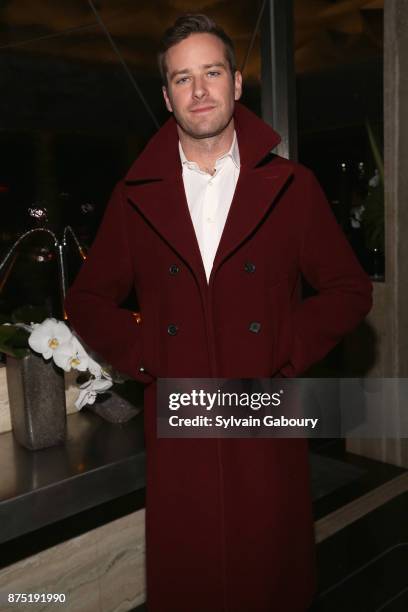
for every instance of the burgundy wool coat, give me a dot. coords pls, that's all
(228, 521)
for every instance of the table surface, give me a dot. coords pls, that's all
(99, 461)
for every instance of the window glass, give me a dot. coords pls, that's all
(81, 97)
(339, 81)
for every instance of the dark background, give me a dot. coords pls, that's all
(72, 120)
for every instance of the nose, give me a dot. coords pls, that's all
(199, 88)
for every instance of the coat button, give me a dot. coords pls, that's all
(255, 327)
(249, 266)
(138, 317)
(174, 269)
(172, 329)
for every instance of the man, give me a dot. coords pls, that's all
(214, 233)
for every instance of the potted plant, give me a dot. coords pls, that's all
(37, 355)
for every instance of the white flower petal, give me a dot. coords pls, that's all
(82, 366)
(102, 385)
(47, 353)
(63, 356)
(86, 384)
(63, 362)
(63, 330)
(90, 389)
(80, 357)
(85, 397)
(94, 368)
(38, 342)
(71, 355)
(53, 338)
(48, 336)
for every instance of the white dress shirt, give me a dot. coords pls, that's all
(209, 199)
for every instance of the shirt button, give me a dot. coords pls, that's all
(249, 267)
(255, 327)
(174, 269)
(172, 329)
(209, 220)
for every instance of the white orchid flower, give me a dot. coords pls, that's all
(90, 390)
(54, 339)
(71, 355)
(47, 336)
(94, 368)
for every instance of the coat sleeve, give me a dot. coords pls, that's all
(344, 291)
(93, 302)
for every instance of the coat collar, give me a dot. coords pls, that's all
(160, 159)
(155, 188)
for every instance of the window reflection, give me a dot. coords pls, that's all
(73, 116)
(339, 75)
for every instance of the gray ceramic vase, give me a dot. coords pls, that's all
(113, 408)
(37, 401)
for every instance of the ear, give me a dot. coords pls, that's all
(237, 85)
(167, 99)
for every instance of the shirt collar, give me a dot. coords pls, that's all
(233, 153)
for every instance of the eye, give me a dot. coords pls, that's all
(214, 73)
(181, 80)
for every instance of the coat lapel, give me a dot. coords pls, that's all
(155, 188)
(255, 194)
(164, 205)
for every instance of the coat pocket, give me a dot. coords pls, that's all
(282, 322)
(148, 333)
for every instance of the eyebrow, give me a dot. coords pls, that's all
(205, 66)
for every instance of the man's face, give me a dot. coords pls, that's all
(200, 89)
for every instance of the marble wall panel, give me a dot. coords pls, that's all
(101, 570)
